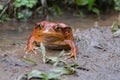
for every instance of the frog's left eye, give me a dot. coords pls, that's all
(57, 28)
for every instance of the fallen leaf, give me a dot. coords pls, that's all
(43, 51)
(114, 27)
(64, 70)
(56, 60)
(41, 75)
(54, 76)
(117, 33)
(34, 73)
(30, 60)
(74, 65)
(61, 53)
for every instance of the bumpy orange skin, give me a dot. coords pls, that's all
(52, 33)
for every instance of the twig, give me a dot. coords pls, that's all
(3, 11)
(5, 8)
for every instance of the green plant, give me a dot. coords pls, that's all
(90, 5)
(117, 5)
(24, 9)
(26, 3)
(55, 10)
(4, 17)
(24, 13)
(1, 7)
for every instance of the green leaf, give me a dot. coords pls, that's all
(117, 33)
(33, 2)
(43, 76)
(1, 7)
(114, 27)
(117, 5)
(17, 4)
(34, 73)
(64, 70)
(55, 10)
(55, 60)
(90, 4)
(82, 14)
(61, 53)
(18, 0)
(4, 17)
(28, 14)
(96, 11)
(74, 65)
(26, 3)
(81, 2)
(20, 15)
(43, 51)
(23, 2)
(30, 60)
(58, 58)
(59, 10)
(29, 5)
(54, 76)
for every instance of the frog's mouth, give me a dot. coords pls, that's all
(50, 39)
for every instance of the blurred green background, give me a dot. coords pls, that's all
(27, 9)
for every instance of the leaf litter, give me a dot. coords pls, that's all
(60, 67)
(115, 28)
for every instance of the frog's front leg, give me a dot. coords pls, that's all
(74, 48)
(30, 45)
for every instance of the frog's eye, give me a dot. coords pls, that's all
(57, 28)
(40, 26)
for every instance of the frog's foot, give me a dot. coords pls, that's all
(29, 49)
(72, 54)
(74, 49)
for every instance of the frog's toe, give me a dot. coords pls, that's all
(71, 54)
(74, 55)
(28, 50)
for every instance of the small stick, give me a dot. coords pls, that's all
(5, 8)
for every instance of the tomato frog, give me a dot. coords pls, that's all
(53, 34)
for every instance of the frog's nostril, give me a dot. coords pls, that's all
(46, 31)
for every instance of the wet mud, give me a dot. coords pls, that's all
(98, 51)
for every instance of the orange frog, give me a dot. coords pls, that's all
(53, 34)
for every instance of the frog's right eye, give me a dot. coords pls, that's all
(39, 26)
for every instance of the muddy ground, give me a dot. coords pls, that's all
(98, 50)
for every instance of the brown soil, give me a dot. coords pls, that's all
(98, 50)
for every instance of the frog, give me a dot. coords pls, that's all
(52, 34)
